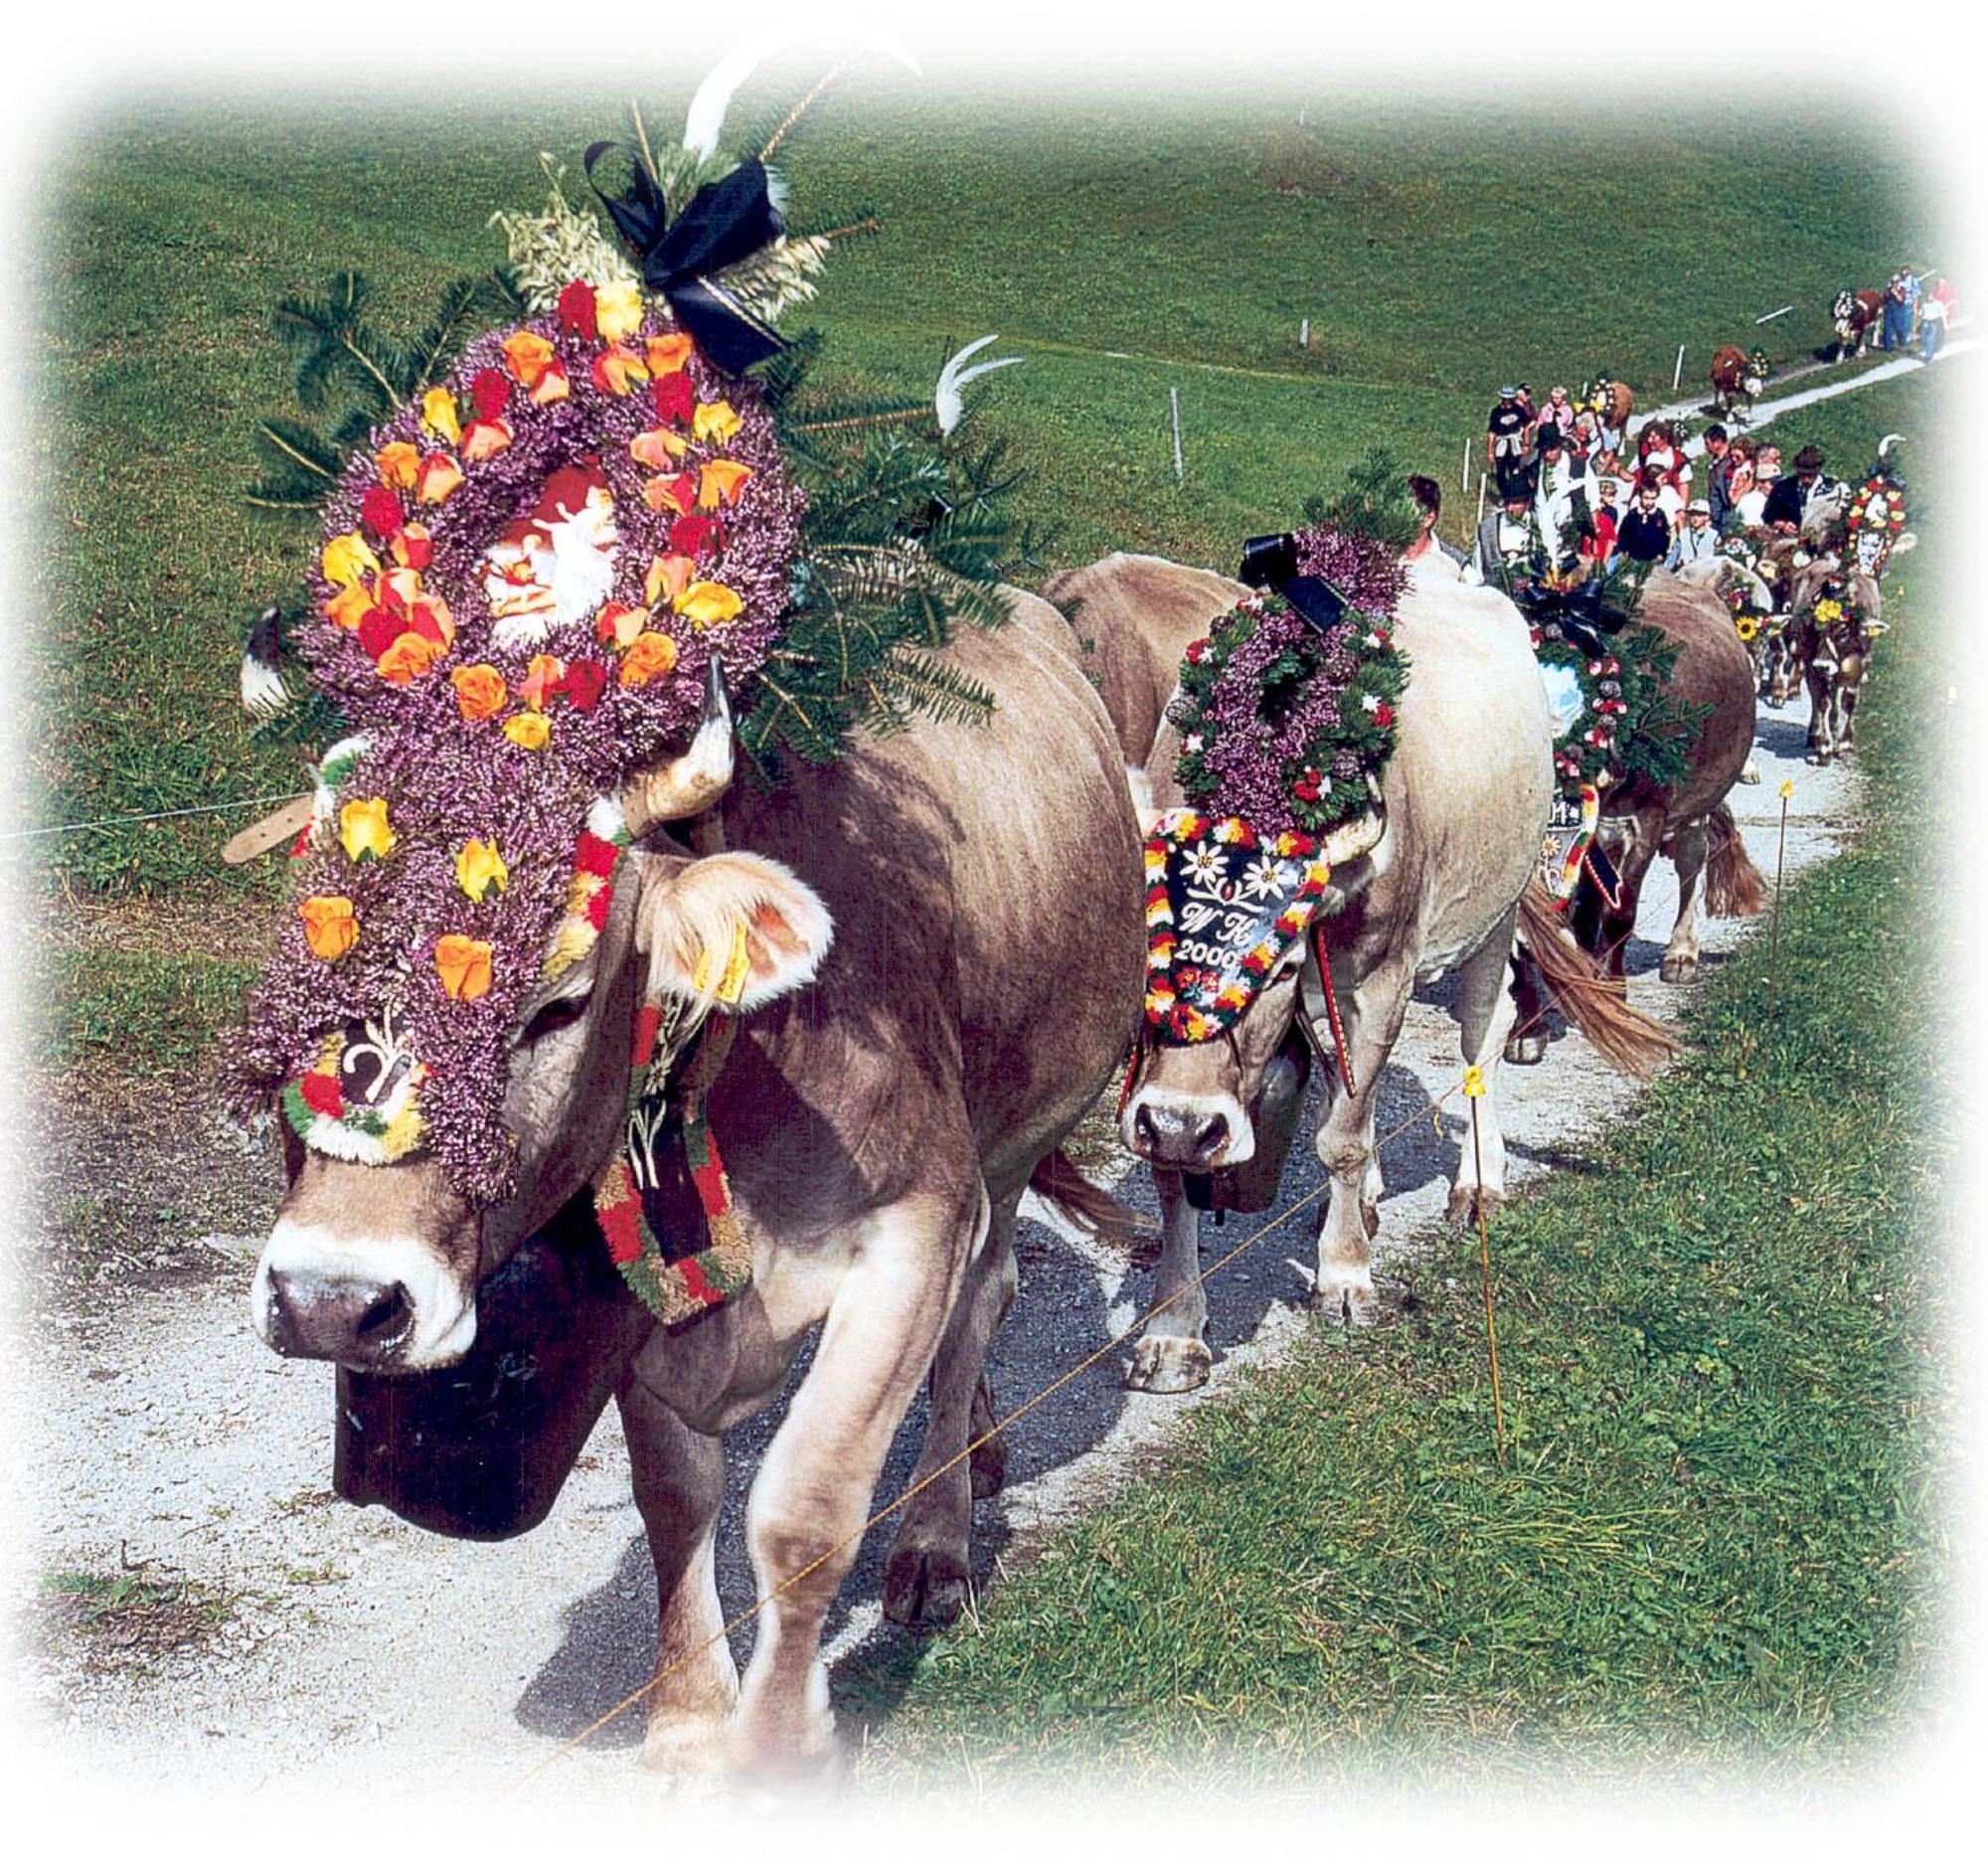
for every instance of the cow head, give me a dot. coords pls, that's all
(1195, 1082)
(376, 1265)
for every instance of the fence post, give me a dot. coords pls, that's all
(1179, 470)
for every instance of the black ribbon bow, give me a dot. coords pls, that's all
(1271, 562)
(725, 220)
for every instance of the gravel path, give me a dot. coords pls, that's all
(296, 1643)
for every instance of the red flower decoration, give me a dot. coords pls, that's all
(595, 855)
(689, 534)
(320, 1092)
(577, 312)
(583, 684)
(676, 399)
(1195, 651)
(1383, 714)
(380, 511)
(491, 391)
(379, 630)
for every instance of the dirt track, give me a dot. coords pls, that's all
(322, 1648)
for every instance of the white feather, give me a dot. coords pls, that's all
(946, 402)
(706, 121)
(1885, 444)
(892, 46)
(264, 692)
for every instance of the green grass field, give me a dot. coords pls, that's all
(1717, 1531)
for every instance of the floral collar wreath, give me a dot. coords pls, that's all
(1287, 715)
(540, 564)
(1876, 517)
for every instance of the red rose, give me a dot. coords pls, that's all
(1383, 715)
(1195, 651)
(1308, 785)
(689, 534)
(379, 630)
(491, 391)
(320, 1092)
(380, 511)
(585, 681)
(676, 399)
(576, 314)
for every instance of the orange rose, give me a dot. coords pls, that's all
(349, 607)
(413, 545)
(617, 368)
(667, 354)
(479, 691)
(669, 493)
(330, 928)
(552, 385)
(526, 356)
(657, 447)
(440, 476)
(398, 463)
(545, 670)
(408, 658)
(483, 439)
(668, 575)
(620, 623)
(720, 483)
(652, 656)
(430, 618)
(463, 964)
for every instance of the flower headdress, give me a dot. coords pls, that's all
(549, 554)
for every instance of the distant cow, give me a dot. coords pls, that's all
(1856, 316)
(1734, 379)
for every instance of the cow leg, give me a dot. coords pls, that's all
(1526, 1045)
(818, 1478)
(1821, 718)
(1485, 1016)
(1171, 1357)
(1688, 848)
(679, 1479)
(926, 1579)
(1344, 1287)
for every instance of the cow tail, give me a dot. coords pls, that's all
(1092, 1211)
(1733, 887)
(1629, 1039)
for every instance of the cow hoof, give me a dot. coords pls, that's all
(1463, 1205)
(987, 1466)
(924, 1586)
(1168, 1366)
(1678, 968)
(1525, 1050)
(689, 1752)
(1344, 1294)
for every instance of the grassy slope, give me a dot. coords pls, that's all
(1713, 1536)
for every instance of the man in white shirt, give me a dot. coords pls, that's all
(1566, 490)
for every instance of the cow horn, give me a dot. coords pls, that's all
(689, 783)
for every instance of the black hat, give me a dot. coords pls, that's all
(1809, 458)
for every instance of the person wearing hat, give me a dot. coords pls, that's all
(1506, 437)
(1563, 496)
(1783, 511)
(1506, 541)
(1696, 540)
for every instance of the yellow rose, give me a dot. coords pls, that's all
(618, 310)
(363, 829)
(658, 447)
(330, 928)
(652, 656)
(720, 483)
(439, 416)
(527, 355)
(708, 604)
(347, 557)
(398, 463)
(440, 476)
(480, 869)
(714, 422)
(529, 730)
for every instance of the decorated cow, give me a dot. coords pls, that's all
(1738, 377)
(1853, 317)
(1350, 787)
(610, 914)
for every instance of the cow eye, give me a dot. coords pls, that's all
(563, 1012)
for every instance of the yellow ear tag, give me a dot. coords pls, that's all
(732, 984)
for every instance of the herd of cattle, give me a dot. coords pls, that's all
(946, 943)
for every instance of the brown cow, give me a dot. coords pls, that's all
(1435, 886)
(1689, 820)
(943, 934)
(1732, 380)
(1853, 316)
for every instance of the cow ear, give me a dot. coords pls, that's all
(732, 929)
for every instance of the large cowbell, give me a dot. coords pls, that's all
(481, 1448)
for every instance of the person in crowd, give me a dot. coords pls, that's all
(1644, 535)
(1605, 520)
(1784, 510)
(1749, 506)
(1585, 442)
(1659, 451)
(1697, 539)
(1935, 311)
(1429, 554)
(1507, 540)
(1738, 477)
(1505, 441)
(1564, 495)
(1715, 480)
(1557, 415)
(1900, 296)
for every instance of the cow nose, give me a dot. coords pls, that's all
(1185, 1137)
(355, 1321)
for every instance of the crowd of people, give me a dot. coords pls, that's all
(1576, 493)
(1912, 314)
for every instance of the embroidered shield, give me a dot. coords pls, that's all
(1222, 906)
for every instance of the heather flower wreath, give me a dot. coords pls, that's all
(533, 563)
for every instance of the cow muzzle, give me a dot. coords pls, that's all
(384, 1305)
(1188, 1133)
